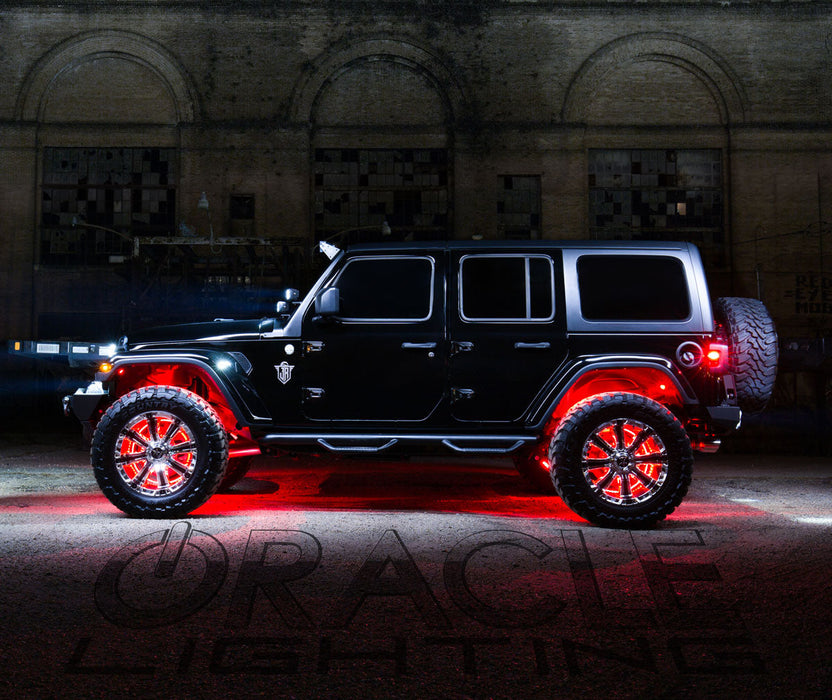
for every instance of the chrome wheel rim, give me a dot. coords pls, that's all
(624, 462)
(156, 454)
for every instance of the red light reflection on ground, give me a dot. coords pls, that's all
(693, 512)
(442, 486)
(326, 483)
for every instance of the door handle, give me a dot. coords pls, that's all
(460, 394)
(461, 346)
(418, 346)
(545, 345)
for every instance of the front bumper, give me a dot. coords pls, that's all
(84, 402)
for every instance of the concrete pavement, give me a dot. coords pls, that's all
(431, 578)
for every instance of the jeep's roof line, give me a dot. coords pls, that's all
(460, 244)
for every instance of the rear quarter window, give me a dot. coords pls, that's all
(633, 288)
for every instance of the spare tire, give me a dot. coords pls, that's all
(754, 350)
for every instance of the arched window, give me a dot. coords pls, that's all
(381, 116)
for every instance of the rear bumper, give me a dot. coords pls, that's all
(705, 435)
(725, 419)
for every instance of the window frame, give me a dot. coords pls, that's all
(659, 188)
(383, 186)
(528, 318)
(506, 215)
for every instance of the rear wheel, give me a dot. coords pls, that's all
(754, 350)
(159, 452)
(621, 460)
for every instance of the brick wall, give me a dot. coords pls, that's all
(246, 93)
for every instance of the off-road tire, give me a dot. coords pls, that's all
(570, 464)
(237, 468)
(752, 339)
(210, 447)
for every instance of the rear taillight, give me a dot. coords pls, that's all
(716, 357)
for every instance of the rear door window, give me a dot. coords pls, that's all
(513, 288)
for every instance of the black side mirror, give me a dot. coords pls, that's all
(328, 302)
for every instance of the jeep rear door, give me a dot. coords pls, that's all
(507, 331)
(380, 358)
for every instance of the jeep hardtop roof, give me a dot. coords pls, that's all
(504, 244)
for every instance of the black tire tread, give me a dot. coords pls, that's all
(567, 444)
(172, 399)
(754, 349)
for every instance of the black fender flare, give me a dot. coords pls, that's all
(553, 393)
(246, 405)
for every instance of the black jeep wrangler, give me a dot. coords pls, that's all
(599, 366)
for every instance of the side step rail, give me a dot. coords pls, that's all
(484, 450)
(356, 448)
(378, 442)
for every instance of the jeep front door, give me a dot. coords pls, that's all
(507, 332)
(379, 358)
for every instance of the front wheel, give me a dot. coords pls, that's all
(621, 460)
(159, 452)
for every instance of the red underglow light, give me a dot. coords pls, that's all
(136, 465)
(630, 486)
(333, 484)
(243, 451)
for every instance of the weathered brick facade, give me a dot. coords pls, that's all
(290, 104)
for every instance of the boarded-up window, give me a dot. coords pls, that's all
(88, 190)
(658, 194)
(364, 188)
